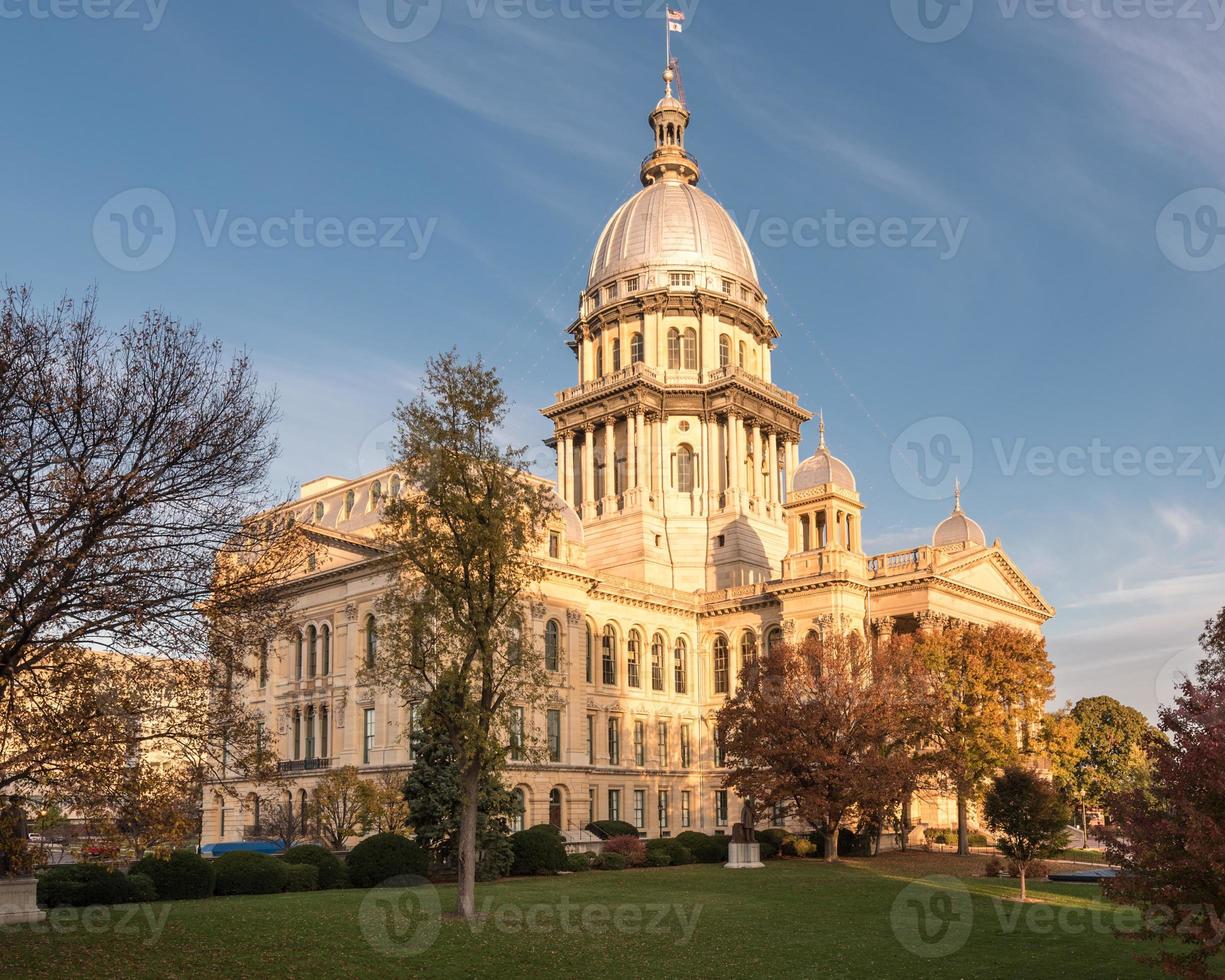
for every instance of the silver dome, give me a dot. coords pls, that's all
(820, 468)
(959, 528)
(671, 223)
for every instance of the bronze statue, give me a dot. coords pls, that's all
(745, 832)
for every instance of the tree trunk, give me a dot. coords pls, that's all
(831, 845)
(905, 819)
(470, 789)
(1021, 869)
(963, 836)
(1084, 824)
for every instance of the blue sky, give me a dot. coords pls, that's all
(1064, 163)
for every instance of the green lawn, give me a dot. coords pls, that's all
(793, 917)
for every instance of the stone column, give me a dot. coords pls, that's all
(567, 452)
(657, 442)
(561, 468)
(610, 458)
(631, 452)
(733, 471)
(587, 371)
(772, 463)
(642, 450)
(757, 478)
(588, 470)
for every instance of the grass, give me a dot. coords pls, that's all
(797, 917)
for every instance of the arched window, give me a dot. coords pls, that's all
(721, 678)
(376, 493)
(616, 354)
(657, 663)
(742, 353)
(395, 488)
(312, 651)
(319, 511)
(725, 351)
(325, 639)
(636, 349)
(774, 639)
(609, 655)
(519, 810)
(323, 733)
(297, 734)
(372, 640)
(590, 655)
(633, 652)
(303, 813)
(555, 807)
(748, 648)
(680, 666)
(552, 645)
(297, 655)
(674, 349)
(684, 469)
(310, 733)
(263, 664)
(689, 350)
(350, 499)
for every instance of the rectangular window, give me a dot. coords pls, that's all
(591, 740)
(746, 295)
(263, 664)
(323, 733)
(516, 734)
(720, 757)
(686, 816)
(663, 809)
(682, 279)
(640, 743)
(223, 821)
(632, 284)
(609, 658)
(727, 286)
(614, 804)
(554, 729)
(591, 804)
(777, 815)
(720, 808)
(632, 677)
(590, 657)
(685, 749)
(614, 741)
(297, 735)
(661, 734)
(554, 545)
(640, 809)
(368, 736)
(612, 291)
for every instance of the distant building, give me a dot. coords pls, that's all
(690, 535)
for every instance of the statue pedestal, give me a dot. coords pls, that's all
(744, 856)
(18, 901)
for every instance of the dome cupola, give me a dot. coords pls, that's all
(823, 467)
(958, 528)
(668, 123)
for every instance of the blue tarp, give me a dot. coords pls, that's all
(1086, 877)
(258, 846)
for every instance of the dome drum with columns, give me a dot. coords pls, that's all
(689, 536)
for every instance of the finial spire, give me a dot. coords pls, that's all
(668, 76)
(821, 429)
(957, 496)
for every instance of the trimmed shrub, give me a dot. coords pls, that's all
(994, 868)
(579, 862)
(774, 835)
(800, 847)
(331, 873)
(81, 885)
(612, 862)
(851, 844)
(767, 849)
(631, 848)
(677, 852)
(538, 852)
(385, 856)
(547, 828)
(608, 829)
(248, 873)
(302, 878)
(705, 848)
(184, 875)
(658, 858)
(141, 888)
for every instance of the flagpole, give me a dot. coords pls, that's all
(667, 40)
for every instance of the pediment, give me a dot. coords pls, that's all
(992, 572)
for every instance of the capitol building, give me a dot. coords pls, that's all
(690, 534)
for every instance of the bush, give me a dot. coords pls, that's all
(800, 847)
(774, 836)
(677, 852)
(248, 873)
(704, 848)
(302, 878)
(768, 850)
(612, 861)
(658, 858)
(632, 848)
(1036, 871)
(81, 885)
(546, 828)
(538, 852)
(331, 873)
(184, 875)
(607, 829)
(579, 862)
(385, 856)
(851, 844)
(994, 868)
(141, 888)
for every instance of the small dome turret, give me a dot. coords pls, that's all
(823, 467)
(959, 527)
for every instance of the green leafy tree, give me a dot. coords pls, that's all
(465, 544)
(1112, 742)
(1029, 816)
(435, 802)
(988, 688)
(1065, 755)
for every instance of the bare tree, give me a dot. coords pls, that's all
(341, 806)
(130, 461)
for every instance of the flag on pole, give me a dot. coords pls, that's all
(676, 20)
